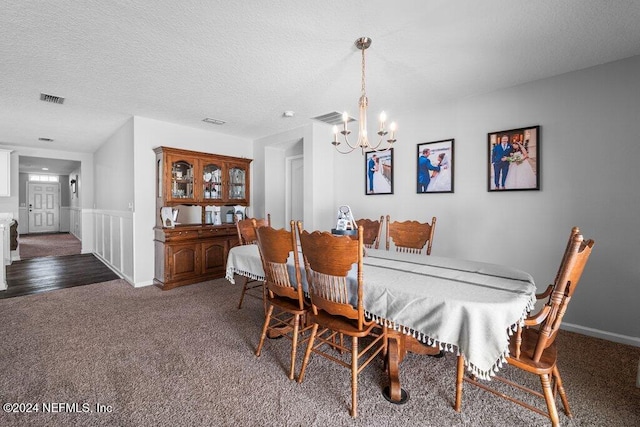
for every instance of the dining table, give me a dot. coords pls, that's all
(430, 304)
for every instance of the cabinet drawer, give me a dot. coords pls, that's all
(213, 232)
(182, 235)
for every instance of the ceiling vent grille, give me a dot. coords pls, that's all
(45, 139)
(51, 98)
(214, 121)
(333, 118)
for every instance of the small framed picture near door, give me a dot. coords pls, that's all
(514, 159)
(435, 167)
(378, 166)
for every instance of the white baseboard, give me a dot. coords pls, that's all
(143, 284)
(609, 336)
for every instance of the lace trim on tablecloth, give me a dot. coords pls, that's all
(248, 274)
(451, 348)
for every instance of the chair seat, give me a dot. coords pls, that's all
(527, 348)
(287, 304)
(341, 324)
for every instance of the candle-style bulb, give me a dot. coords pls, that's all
(345, 117)
(335, 134)
(393, 127)
(383, 119)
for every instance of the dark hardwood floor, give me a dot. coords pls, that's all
(45, 274)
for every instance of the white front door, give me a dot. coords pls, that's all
(44, 207)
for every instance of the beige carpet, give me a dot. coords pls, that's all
(184, 357)
(42, 245)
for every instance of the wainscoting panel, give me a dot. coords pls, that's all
(75, 222)
(116, 250)
(114, 240)
(65, 219)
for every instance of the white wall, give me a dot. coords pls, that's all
(113, 168)
(149, 134)
(268, 190)
(590, 150)
(114, 196)
(10, 204)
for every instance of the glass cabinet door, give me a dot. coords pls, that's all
(212, 182)
(237, 178)
(181, 180)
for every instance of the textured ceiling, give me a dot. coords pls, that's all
(245, 62)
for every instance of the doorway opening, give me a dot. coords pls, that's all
(48, 207)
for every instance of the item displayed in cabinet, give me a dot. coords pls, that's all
(169, 216)
(240, 212)
(229, 216)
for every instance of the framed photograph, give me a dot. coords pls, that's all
(514, 159)
(378, 166)
(435, 167)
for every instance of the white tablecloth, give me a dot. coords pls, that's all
(458, 305)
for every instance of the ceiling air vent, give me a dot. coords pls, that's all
(333, 118)
(51, 98)
(214, 121)
(45, 139)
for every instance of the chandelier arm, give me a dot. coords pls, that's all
(386, 147)
(346, 140)
(343, 152)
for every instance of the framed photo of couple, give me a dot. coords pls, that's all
(514, 159)
(378, 166)
(435, 167)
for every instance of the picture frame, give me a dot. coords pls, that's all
(435, 166)
(378, 175)
(513, 159)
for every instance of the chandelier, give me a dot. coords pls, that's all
(363, 139)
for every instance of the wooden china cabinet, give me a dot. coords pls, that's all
(192, 253)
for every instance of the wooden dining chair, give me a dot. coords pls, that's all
(532, 348)
(246, 228)
(283, 294)
(371, 231)
(411, 236)
(247, 236)
(336, 304)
